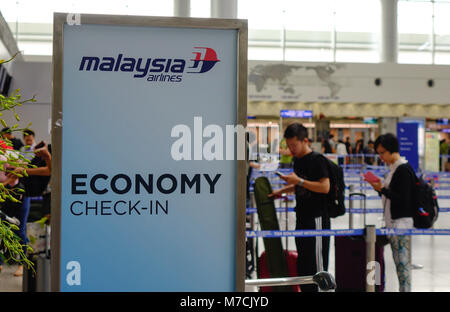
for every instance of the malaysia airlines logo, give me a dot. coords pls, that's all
(156, 69)
(208, 61)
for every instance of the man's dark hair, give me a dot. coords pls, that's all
(6, 130)
(296, 130)
(28, 132)
(388, 141)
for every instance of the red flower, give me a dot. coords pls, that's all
(4, 146)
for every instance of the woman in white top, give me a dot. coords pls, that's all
(397, 196)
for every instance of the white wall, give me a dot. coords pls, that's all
(342, 89)
(4, 54)
(400, 83)
(33, 78)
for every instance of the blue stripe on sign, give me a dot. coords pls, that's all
(413, 232)
(354, 183)
(255, 210)
(304, 233)
(345, 232)
(354, 210)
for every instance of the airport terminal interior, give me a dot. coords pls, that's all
(349, 71)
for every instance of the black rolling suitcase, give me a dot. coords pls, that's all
(274, 260)
(350, 262)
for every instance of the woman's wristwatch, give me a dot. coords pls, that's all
(300, 183)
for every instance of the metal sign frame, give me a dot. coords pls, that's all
(60, 19)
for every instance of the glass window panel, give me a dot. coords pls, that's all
(308, 15)
(309, 55)
(33, 11)
(306, 26)
(442, 33)
(261, 14)
(352, 15)
(442, 58)
(36, 47)
(415, 17)
(265, 29)
(317, 41)
(414, 32)
(302, 24)
(265, 54)
(357, 30)
(309, 26)
(357, 56)
(414, 57)
(35, 18)
(201, 8)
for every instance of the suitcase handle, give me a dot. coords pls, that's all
(357, 194)
(364, 196)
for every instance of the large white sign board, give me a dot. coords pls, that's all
(138, 204)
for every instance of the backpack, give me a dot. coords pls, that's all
(425, 205)
(336, 195)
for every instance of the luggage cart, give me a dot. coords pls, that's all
(39, 281)
(324, 280)
(12, 221)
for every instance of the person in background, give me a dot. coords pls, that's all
(285, 155)
(341, 150)
(396, 192)
(7, 134)
(332, 143)
(27, 150)
(359, 149)
(348, 145)
(369, 151)
(326, 147)
(443, 147)
(251, 160)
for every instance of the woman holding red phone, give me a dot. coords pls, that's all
(396, 192)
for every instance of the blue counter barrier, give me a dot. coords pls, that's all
(345, 232)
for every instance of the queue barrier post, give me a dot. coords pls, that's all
(350, 207)
(370, 238)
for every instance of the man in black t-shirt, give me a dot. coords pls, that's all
(311, 184)
(6, 133)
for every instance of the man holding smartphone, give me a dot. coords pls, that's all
(311, 183)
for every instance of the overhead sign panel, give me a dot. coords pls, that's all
(407, 134)
(296, 113)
